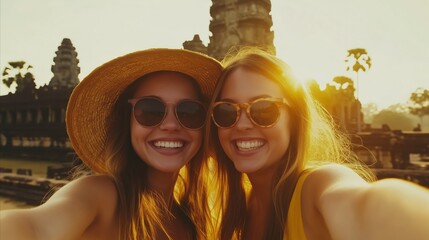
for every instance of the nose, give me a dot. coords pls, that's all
(243, 121)
(170, 121)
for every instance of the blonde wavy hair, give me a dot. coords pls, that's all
(314, 141)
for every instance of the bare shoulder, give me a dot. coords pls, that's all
(82, 202)
(327, 191)
(89, 187)
(95, 183)
(334, 174)
(330, 183)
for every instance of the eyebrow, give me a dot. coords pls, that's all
(150, 96)
(252, 99)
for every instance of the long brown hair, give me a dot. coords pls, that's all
(314, 141)
(141, 211)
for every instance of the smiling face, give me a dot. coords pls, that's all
(251, 148)
(168, 146)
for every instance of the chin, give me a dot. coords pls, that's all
(169, 169)
(246, 168)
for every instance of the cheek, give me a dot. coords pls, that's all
(282, 130)
(132, 130)
(137, 134)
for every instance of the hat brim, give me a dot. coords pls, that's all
(93, 99)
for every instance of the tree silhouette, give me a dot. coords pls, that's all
(19, 72)
(395, 120)
(419, 103)
(358, 60)
(345, 83)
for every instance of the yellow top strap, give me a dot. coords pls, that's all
(295, 228)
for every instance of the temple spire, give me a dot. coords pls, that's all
(65, 68)
(237, 23)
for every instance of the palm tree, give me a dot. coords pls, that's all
(358, 60)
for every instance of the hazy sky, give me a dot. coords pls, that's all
(312, 36)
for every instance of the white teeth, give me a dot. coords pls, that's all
(168, 144)
(249, 145)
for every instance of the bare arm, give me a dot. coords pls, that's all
(385, 209)
(66, 215)
(400, 207)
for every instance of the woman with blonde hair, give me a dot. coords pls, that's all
(136, 122)
(284, 172)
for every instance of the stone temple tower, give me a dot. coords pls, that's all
(237, 23)
(65, 68)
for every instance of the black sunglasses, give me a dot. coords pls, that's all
(263, 112)
(151, 111)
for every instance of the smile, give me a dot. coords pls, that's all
(168, 144)
(249, 145)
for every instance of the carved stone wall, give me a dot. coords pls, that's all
(33, 125)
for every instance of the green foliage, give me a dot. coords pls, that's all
(344, 82)
(358, 60)
(419, 102)
(18, 64)
(395, 120)
(341, 89)
(398, 107)
(26, 83)
(19, 72)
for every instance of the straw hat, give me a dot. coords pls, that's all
(93, 99)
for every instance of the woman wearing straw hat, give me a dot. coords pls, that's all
(135, 121)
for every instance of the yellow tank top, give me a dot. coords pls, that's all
(295, 227)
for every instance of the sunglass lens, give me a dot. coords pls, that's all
(225, 114)
(191, 114)
(149, 112)
(264, 113)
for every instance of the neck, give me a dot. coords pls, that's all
(262, 181)
(259, 204)
(258, 208)
(162, 183)
(261, 193)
